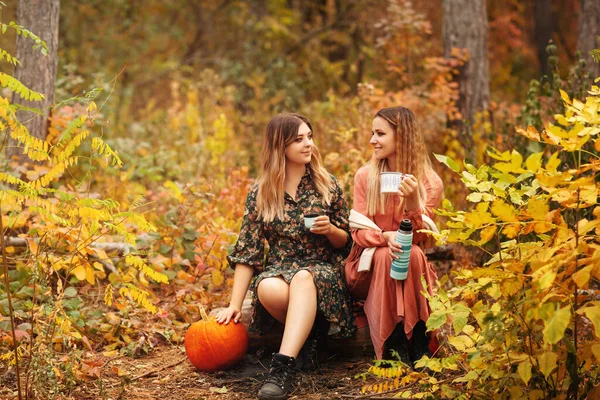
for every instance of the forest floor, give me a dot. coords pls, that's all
(165, 373)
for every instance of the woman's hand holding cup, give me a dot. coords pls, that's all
(321, 225)
(408, 189)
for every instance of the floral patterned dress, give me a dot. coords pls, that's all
(293, 248)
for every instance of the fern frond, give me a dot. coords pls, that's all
(104, 149)
(87, 99)
(138, 202)
(13, 180)
(67, 134)
(17, 87)
(139, 296)
(108, 204)
(20, 30)
(90, 214)
(595, 54)
(144, 268)
(34, 110)
(8, 196)
(35, 148)
(71, 147)
(138, 219)
(108, 295)
(54, 173)
(50, 215)
(9, 58)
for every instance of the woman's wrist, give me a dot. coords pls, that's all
(412, 204)
(337, 237)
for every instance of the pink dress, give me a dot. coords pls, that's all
(388, 301)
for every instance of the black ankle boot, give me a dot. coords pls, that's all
(397, 341)
(278, 383)
(419, 342)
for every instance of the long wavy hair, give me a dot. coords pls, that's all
(281, 131)
(411, 157)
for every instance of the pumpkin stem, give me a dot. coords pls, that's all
(203, 313)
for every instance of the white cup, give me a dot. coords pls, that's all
(309, 219)
(390, 181)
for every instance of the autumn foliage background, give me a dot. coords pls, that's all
(118, 234)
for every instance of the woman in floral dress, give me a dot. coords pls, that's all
(301, 276)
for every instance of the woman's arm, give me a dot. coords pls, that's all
(336, 229)
(241, 282)
(336, 236)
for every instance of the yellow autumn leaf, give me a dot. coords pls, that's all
(511, 287)
(597, 144)
(217, 277)
(582, 277)
(524, 371)
(592, 312)
(511, 230)
(538, 208)
(486, 234)
(547, 362)
(553, 163)
(504, 211)
(79, 272)
(596, 351)
(461, 343)
(89, 275)
(555, 325)
(495, 154)
(534, 162)
(575, 143)
(530, 133)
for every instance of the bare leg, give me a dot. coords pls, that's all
(273, 294)
(302, 310)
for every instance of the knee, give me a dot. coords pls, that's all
(303, 277)
(270, 291)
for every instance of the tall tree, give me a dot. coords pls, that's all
(36, 71)
(589, 30)
(465, 26)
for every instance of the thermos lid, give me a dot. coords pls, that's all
(406, 225)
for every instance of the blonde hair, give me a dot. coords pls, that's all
(281, 131)
(411, 157)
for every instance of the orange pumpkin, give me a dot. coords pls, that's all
(211, 346)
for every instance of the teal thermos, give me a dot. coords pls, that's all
(404, 236)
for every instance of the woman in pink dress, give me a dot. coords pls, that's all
(396, 310)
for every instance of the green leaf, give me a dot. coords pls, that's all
(524, 371)
(555, 326)
(448, 161)
(70, 292)
(436, 319)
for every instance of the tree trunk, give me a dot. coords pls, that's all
(543, 30)
(589, 30)
(465, 26)
(37, 72)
